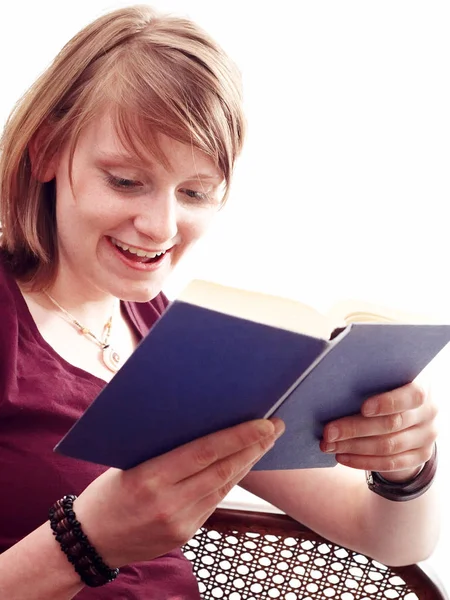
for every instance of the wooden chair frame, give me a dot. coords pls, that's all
(248, 555)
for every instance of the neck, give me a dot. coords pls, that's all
(90, 306)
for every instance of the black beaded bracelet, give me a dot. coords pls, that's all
(402, 491)
(75, 545)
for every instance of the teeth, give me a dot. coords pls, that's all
(136, 251)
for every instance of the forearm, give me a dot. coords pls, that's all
(400, 533)
(36, 568)
(339, 506)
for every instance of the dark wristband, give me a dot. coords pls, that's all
(75, 545)
(402, 491)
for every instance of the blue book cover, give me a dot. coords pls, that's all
(201, 370)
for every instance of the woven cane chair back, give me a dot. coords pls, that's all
(244, 555)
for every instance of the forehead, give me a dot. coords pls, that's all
(103, 141)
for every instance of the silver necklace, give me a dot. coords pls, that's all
(110, 357)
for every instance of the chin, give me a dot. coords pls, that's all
(130, 293)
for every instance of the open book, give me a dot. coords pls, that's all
(220, 356)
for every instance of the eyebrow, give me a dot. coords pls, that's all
(118, 159)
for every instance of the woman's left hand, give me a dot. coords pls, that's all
(393, 434)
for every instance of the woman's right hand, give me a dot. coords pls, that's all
(139, 514)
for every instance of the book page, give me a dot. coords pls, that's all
(261, 308)
(358, 311)
(291, 314)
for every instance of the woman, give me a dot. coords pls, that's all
(112, 166)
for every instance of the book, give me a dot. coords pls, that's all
(220, 356)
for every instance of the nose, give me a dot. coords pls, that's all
(157, 218)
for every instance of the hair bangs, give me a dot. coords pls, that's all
(155, 75)
(149, 95)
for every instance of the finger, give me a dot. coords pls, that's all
(408, 397)
(187, 507)
(384, 445)
(207, 505)
(193, 457)
(219, 478)
(398, 462)
(196, 509)
(358, 426)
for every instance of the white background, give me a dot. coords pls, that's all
(343, 187)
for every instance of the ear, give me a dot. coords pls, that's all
(42, 172)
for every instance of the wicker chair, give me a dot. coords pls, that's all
(247, 555)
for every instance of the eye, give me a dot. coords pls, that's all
(198, 198)
(121, 183)
(195, 195)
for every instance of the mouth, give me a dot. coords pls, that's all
(138, 255)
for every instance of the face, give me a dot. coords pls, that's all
(124, 225)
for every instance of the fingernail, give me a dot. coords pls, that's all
(269, 447)
(332, 433)
(329, 447)
(280, 427)
(343, 458)
(370, 408)
(266, 428)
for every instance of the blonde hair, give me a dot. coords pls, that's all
(156, 74)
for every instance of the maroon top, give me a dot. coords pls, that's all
(41, 396)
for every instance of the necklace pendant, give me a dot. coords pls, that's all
(111, 359)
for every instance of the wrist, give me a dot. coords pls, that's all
(86, 561)
(401, 491)
(95, 529)
(35, 568)
(404, 476)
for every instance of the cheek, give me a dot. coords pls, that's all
(196, 225)
(88, 204)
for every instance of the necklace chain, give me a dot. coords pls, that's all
(85, 330)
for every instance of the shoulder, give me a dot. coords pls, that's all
(9, 325)
(8, 287)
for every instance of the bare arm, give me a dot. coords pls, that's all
(139, 514)
(35, 568)
(394, 434)
(338, 505)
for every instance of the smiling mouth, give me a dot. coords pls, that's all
(137, 254)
